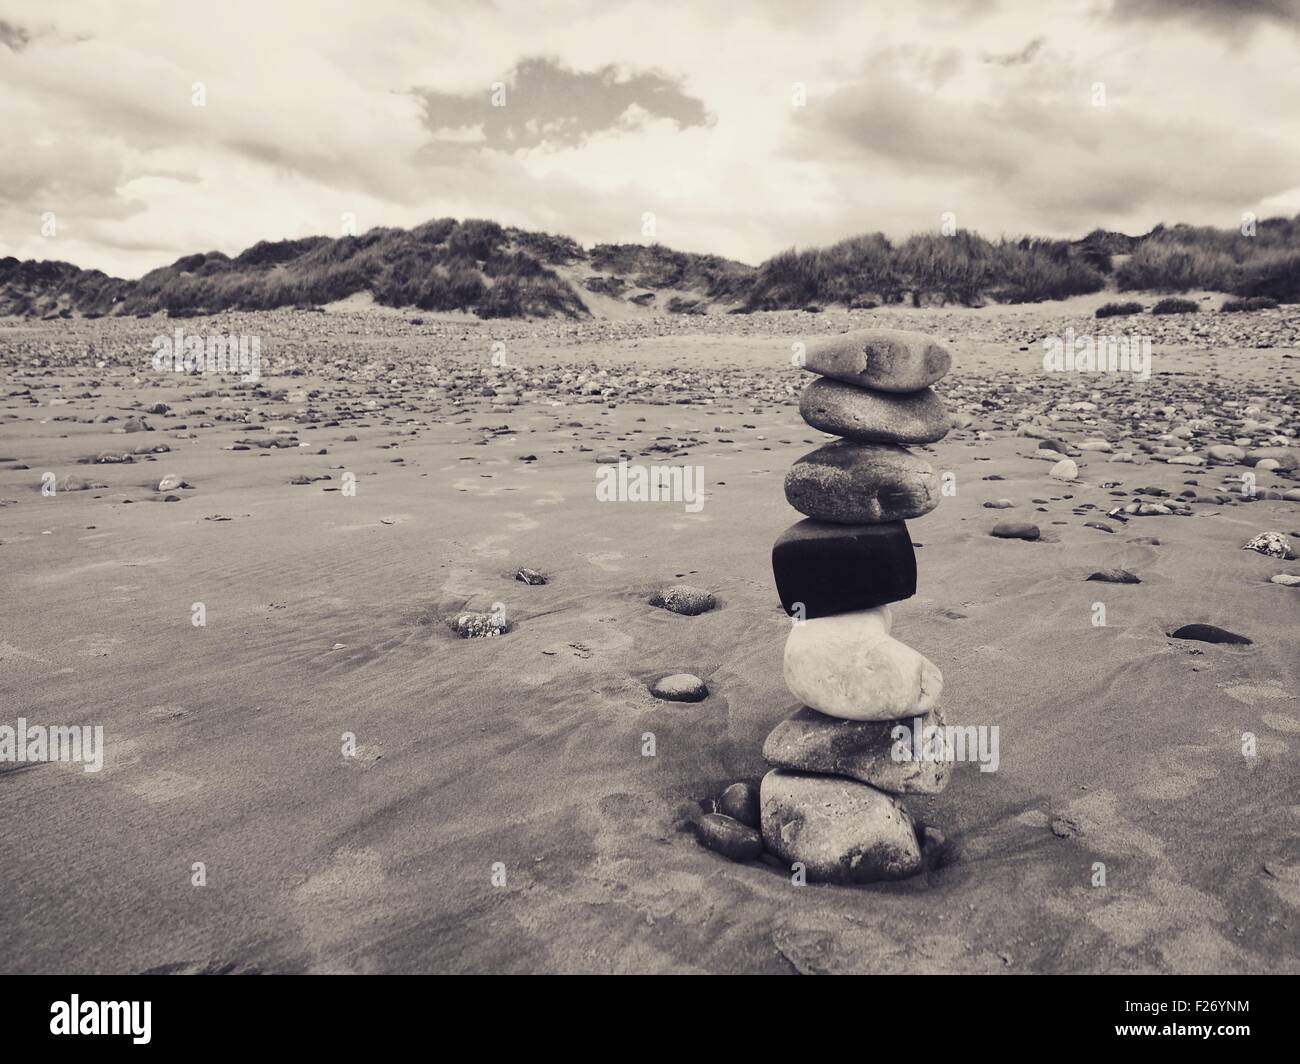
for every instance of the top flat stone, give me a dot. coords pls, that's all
(888, 360)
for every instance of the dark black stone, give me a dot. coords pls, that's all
(1209, 633)
(833, 568)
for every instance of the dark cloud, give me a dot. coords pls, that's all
(1218, 13)
(1058, 160)
(549, 103)
(15, 38)
(1020, 58)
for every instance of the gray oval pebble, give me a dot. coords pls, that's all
(1015, 530)
(740, 802)
(729, 837)
(1115, 576)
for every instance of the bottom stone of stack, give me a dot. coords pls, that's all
(840, 830)
(899, 756)
(849, 666)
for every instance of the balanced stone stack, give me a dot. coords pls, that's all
(828, 804)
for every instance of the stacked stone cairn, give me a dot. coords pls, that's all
(829, 802)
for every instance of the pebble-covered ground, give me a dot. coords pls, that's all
(348, 519)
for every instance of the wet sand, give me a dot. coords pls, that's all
(325, 615)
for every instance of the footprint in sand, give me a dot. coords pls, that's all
(120, 755)
(334, 900)
(486, 548)
(551, 498)
(1179, 773)
(10, 654)
(1174, 918)
(460, 582)
(1281, 722)
(479, 486)
(163, 786)
(97, 645)
(1267, 747)
(64, 575)
(1250, 693)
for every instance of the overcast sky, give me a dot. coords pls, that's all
(687, 110)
